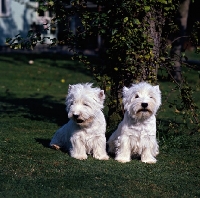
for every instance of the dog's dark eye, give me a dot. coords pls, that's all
(86, 104)
(136, 96)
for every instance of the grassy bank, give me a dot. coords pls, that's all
(32, 107)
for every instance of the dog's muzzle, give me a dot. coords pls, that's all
(77, 119)
(144, 108)
(82, 122)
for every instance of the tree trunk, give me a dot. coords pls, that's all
(156, 21)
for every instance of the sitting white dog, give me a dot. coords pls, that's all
(85, 132)
(136, 134)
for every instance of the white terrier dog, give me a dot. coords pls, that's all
(85, 132)
(136, 134)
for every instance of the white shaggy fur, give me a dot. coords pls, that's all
(136, 134)
(85, 132)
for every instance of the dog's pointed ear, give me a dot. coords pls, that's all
(125, 89)
(157, 88)
(101, 95)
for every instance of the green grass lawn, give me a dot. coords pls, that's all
(32, 98)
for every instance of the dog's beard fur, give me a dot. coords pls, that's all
(143, 114)
(137, 112)
(83, 119)
(84, 122)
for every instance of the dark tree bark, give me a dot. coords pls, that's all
(156, 21)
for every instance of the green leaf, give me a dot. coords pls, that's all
(162, 1)
(51, 3)
(8, 40)
(114, 31)
(147, 8)
(162, 58)
(125, 19)
(167, 8)
(136, 21)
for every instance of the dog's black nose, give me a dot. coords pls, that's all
(144, 105)
(75, 116)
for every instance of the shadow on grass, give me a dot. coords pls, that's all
(44, 142)
(53, 60)
(41, 109)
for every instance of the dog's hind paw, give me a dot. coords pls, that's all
(54, 146)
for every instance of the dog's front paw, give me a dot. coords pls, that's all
(80, 157)
(122, 160)
(104, 157)
(150, 160)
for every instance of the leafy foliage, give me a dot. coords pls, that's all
(134, 43)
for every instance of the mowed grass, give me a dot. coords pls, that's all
(32, 98)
